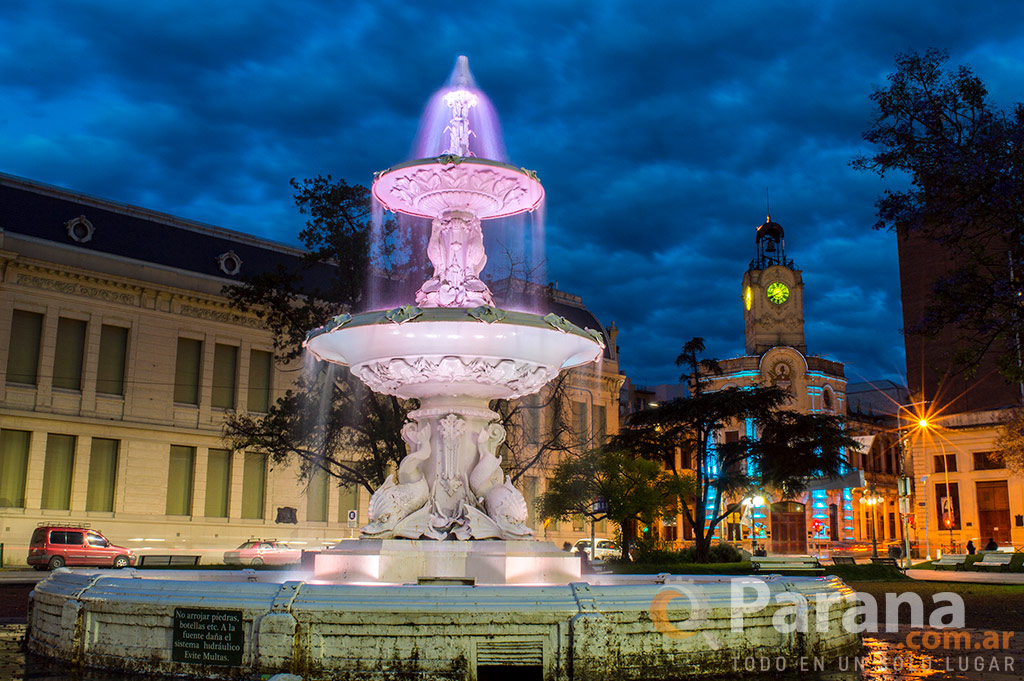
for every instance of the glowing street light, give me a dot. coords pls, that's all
(871, 499)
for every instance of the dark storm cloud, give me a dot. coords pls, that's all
(656, 128)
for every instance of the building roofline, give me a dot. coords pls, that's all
(146, 213)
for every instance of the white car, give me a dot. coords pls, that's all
(605, 548)
(256, 552)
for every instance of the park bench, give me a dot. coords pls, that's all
(953, 560)
(994, 559)
(888, 560)
(808, 564)
(175, 560)
(844, 560)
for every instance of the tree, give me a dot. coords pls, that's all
(608, 483)
(788, 449)
(964, 160)
(330, 421)
(1010, 442)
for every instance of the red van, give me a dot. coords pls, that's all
(54, 546)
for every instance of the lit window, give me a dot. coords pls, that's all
(14, 445)
(180, 472)
(218, 483)
(102, 475)
(57, 469)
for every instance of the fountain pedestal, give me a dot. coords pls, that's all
(400, 561)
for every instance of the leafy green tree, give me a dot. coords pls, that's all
(608, 483)
(789, 448)
(962, 159)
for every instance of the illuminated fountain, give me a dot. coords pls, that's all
(400, 602)
(454, 352)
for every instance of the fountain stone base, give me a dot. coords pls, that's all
(399, 561)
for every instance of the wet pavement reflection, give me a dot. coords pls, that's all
(884, 657)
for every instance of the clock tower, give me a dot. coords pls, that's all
(773, 296)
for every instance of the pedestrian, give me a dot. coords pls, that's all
(991, 545)
(567, 547)
(970, 547)
(585, 567)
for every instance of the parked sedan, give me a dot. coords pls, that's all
(256, 552)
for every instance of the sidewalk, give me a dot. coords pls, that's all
(966, 576)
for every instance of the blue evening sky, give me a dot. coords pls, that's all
(655, 127)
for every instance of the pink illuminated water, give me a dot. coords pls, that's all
(486, 140)
(516, 267)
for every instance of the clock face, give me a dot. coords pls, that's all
(777, 292)
(748, 297)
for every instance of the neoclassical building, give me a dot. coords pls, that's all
(121, 360)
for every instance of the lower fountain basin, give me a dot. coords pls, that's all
(479, 352)
(232, 625)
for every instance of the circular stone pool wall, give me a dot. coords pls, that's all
(218, 624)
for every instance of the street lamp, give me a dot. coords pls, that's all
(871, 500)
(948, 499)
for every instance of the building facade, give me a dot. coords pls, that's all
(830, 513)
(121, 360)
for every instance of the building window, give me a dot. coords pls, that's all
(948, 507)
(186, 371)
(57, 469)
(180, 476)
(950, 463)
(260, 365)
(23, 349)
(530, 495)
(579, 423)
(600, 424)
(529, 409)
(349, 501)
(988, 461)
(577, 523)
(218, 483)
(14, 446)
(225, 371)
(254, 485)
(316, 496)
(102, 475)
(67, 361)
(113, 350)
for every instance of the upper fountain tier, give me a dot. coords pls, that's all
(457, 190)
(433, 187)
(466, 172)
